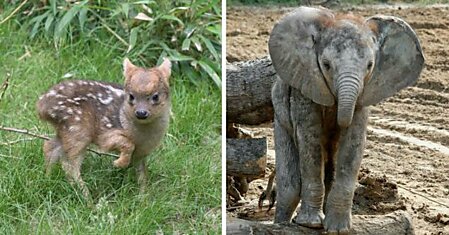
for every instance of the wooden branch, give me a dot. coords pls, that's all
(396, 223)
(27, 132)
(246, 157)
(13, 12)
(248, 91)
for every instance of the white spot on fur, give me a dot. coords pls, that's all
(117, 92)
(61, 102)
(77, 118)
(52, 93)
(99, 95)
(71, 84)
(91, 96)
(105, 119)
(78, 112)
(73, 128)
(84, 83)
(106, 101)
(109, 125)
(77, 99)
(70, 111)
(73, 102)
(65, 118)
(61, 87)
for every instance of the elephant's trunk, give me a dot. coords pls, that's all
(348, 86)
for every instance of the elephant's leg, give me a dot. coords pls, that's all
(329, 174)
(330, 149)
(288, 183)
(348, 160)
(309, 132)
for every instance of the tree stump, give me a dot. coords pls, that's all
(246, 157)
(248, 91)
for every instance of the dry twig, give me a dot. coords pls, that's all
(16, 141)
(14, 12)
(27, 132)
(422, 195)
(4, 86)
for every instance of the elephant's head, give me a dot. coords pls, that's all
(345, 59)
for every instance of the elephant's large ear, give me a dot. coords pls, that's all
(292, 50)
(399, 60)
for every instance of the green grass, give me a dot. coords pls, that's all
(184, 190)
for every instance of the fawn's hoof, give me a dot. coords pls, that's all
(120, 163)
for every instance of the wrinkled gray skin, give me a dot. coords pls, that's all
(330, 69)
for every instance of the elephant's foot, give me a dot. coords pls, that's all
(309, 217)
(337, 222)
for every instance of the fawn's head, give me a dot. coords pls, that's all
(147, 94)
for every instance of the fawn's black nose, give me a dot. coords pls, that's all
(141, 114)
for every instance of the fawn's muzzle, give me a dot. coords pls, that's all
(142, 114)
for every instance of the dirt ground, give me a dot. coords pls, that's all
(406, 161)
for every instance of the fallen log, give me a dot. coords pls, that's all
(396, 223)
(246, 158)
(248, 91)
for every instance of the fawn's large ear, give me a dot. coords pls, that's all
(128, 68)
(400, 59)
(165, 69)
(293, 53)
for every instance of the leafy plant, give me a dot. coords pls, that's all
(185, 31)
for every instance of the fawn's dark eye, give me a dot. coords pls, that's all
(326, 65)
(155, 98)
(370, 65)
(131, 98)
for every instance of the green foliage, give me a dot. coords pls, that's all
(186, 31)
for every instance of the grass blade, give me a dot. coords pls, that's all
(82, 17)
(211, 73)
(211, 47)
(186, 44)
(172, 18)
(48, 22)
(67, 18)
(197, 44)
(132, 39)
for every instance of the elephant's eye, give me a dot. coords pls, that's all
(370, 65)
(326, 64)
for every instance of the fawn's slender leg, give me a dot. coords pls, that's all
(116, 140)
(72, 167)
(53, 151)
(74, 145)
(142, 174)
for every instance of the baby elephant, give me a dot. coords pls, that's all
(331, 68)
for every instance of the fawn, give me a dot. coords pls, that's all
(132, 119)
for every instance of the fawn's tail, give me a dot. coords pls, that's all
(50, 106)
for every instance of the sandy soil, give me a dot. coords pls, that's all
(406, 162)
